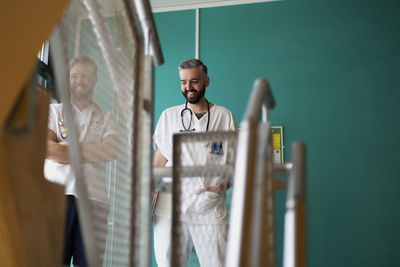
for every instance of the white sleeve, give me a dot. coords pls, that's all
(53, 118)
(232, 149)
(162, 137)
(232, 125)
(110, 127)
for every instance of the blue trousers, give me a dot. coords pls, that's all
(73, 245)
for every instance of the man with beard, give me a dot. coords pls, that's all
(97, 135)
(204, 213)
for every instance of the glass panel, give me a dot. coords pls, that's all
(99, 47)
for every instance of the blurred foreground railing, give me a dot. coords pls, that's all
(251, 240)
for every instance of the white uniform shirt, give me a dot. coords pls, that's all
(93, 125)
(207, 207)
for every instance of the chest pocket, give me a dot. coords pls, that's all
(95, 132)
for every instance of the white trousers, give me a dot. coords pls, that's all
(209, 241)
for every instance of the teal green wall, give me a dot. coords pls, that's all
(176, 33)
(333, 67)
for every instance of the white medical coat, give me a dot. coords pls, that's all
(93, 125)
(207, 207)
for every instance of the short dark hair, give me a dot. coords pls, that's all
(82, 59)
(193, 63)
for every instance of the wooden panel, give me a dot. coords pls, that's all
(24, 26)
(32, 209)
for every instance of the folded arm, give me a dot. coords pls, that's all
(56, 151)
(106, 150)
(91, 152)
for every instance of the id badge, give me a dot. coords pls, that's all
(216, 148)
(62, 127)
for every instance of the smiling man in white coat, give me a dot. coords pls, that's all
(204, 213)
(98, 140)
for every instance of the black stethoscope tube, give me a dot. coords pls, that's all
(191, 115)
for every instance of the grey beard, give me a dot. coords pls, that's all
(195, 100)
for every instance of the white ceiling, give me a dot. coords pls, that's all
(172, 5)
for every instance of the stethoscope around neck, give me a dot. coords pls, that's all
(191, 116)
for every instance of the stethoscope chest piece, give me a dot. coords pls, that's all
(188, 119)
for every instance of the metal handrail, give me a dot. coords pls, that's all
(295, 218)
(251, 232)
(180, 171)
(261, 99)
(249, 186)
(195, 171)
(152, 41)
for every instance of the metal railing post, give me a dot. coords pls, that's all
(295, 217)
(240, 237)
